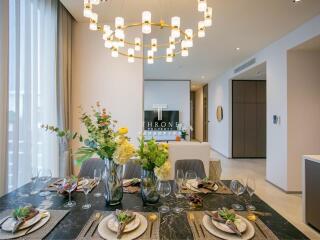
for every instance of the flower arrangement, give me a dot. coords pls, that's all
(102, 137)
(184, 130)
(154, 157)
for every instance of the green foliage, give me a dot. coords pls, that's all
(21, 212)
(226, 214)
(101, 135)
(151, 154)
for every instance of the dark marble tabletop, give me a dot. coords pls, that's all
(173, 226)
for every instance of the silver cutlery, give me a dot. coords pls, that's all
(96, 218)
(253, 218)
(4, 220)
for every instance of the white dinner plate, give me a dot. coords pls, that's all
(8, 225)
(113, 224)
(241, 225)
(107, 234)
(248, 234)
(20, 233)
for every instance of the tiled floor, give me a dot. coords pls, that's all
(288, 205)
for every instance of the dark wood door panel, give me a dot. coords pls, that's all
(261, 92)
(238, 130)
(250, 130)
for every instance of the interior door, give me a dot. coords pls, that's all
(205, 113)
(248, 119)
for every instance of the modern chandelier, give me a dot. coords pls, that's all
(179, 41)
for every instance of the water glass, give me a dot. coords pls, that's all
(86, 186)
(238, 188)
(164, 189)
(177, 193)
(179, 181)
(69, 184)
(97, 174)
(251, 187)
(34, 177)
(45, 176)
(190, 175)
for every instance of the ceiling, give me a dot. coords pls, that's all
(246, 24)
(258, 72)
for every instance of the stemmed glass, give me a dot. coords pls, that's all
(179, 181)
(237, 187)
(97, 177)
(34, 177)
(251, 187)
(69, 184)
(45, 176)
(86, 186)
(190, 175)
(164, 189)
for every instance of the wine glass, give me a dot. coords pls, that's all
(97, 177)
(237, 187)
(251, 187)
(177, 193)
(69, 184)
(190, 175)
(164, 189)
(86, 186)
(45, 176)
(179, 181)
(34, 177)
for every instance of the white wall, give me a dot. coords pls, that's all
(198, 118)
(96, 76)
(303, 110)
(174, 93)
(275, 56)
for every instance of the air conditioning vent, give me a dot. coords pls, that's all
(245, 65)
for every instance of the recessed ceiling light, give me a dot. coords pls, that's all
(238, 49)
(296, 1)
(202, 77)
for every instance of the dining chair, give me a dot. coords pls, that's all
(190, 164)
(88, 167)
(132, 170)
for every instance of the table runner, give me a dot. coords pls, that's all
(155, 228)
(55, 217)
(198, 215)
(223, 189)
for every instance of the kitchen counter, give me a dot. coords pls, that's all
(311, 190)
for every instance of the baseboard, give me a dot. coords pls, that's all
(285, 191)
(219, 152)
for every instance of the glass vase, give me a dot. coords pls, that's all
(149, 191)
(113, 182)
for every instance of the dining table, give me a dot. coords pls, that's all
(172, 225)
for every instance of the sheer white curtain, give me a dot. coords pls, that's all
(32, 89)
(4, 57)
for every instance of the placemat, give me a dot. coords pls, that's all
(223, 189)
(146, 235)
(55, 217)
(198, 215)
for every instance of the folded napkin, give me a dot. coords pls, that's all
(131, 185)
(56, 186)
(201, 186)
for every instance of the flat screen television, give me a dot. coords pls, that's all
(169, 121)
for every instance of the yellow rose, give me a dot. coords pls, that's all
(123, 130)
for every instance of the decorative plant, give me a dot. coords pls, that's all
(184, 130)
(102, 139)
(153, 156)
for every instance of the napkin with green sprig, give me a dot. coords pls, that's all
(123, 218)
(22, 214)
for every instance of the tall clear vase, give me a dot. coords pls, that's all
(113, 182)
(149, 192)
